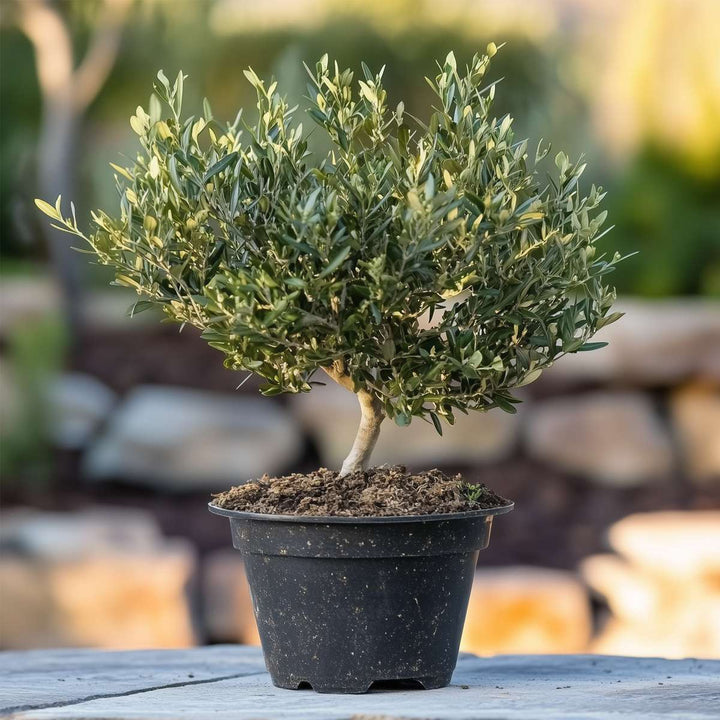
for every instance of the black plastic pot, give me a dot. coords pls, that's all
(342, 602)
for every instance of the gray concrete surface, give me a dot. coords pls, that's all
(230, 682)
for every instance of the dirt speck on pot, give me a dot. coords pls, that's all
(377, 492)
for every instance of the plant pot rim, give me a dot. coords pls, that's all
(363, 520)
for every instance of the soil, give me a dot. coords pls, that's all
(378, 492)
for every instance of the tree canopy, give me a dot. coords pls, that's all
(434, 265)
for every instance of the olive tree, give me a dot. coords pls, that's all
(428, 266)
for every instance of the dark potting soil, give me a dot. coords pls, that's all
(377, 492)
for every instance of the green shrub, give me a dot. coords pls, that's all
(670, 213)
(429, 268)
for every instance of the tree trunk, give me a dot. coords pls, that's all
(370, 421)
(56, 176)
(66, 94)
(367, 434)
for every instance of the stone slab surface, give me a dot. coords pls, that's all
(230, 682)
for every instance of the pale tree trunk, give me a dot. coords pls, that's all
(66, 93)
(56, 176)
(371, 418)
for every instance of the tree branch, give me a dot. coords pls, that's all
(337, 372)
(100, 57)
(51, 42)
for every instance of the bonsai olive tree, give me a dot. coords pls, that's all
(427, 267)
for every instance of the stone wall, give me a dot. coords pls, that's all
(643, 409)
(107, 578)
(630, 430)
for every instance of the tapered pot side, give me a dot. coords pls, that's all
(341, 603)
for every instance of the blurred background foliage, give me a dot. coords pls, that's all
(614, 80)
(36, 351)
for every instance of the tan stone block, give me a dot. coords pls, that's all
(678, 545)
(696, 418)
(657, 342)
(26, 607)
(95, 530)
(527, 610)
(614, 438)
(227, 605)
(180, 438)
(664, 593)
(685, 624)
(621, 638)
(99, 578)
(24, 299)
(632, 596)
(78, 405)
(112, 601)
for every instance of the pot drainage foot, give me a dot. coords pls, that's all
(433, 682)
(428, 682)
(330, 688)
(403, 684)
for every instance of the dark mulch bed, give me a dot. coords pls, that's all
(378, 492)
